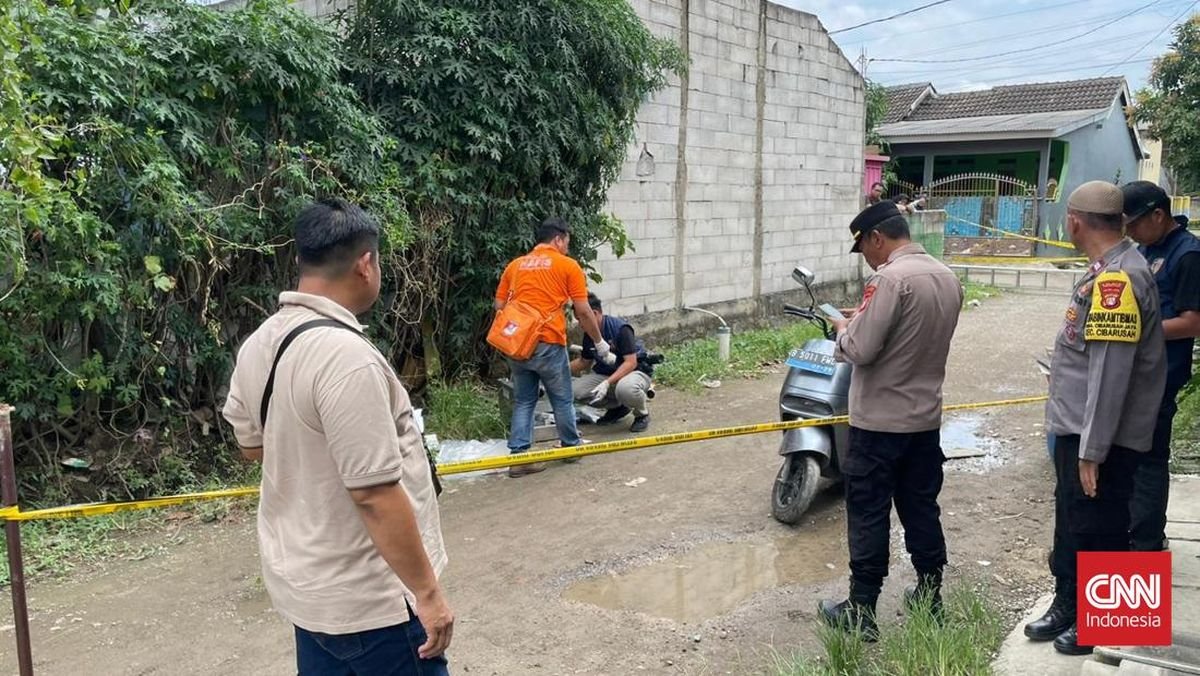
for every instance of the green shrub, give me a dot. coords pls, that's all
(154, 152)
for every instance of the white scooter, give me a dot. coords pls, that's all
(816, 386)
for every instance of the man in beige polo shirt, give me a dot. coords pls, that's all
(348, 526)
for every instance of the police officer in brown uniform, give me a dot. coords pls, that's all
(898, 340)
(1107, 379)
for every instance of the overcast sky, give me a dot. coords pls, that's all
(1003, 41)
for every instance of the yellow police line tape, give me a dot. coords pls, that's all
(483, 464)
(1005, 233)
(1009, 260)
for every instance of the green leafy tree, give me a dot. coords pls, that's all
(154, 155)
(1170, 105)
(504, 112)
(154, 152)
(877, 108)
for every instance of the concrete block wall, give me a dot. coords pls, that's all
(770, 117)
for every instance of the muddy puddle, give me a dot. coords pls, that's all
(963, 436)
(968, 446)
(715, 578)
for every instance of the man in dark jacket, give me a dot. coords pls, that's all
(1173, 255)
(620, 385)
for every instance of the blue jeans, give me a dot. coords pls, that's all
(551, 367)
(390, 651)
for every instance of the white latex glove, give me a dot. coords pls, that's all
(605, 354)
(600, 392)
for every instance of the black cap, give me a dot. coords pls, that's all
(1142, 197)
(869, 218)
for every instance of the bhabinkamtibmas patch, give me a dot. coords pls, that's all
(1114, 315)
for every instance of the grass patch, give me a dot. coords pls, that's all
(464, 410)
(1185, 435)
(973, 291)
(55, 547)
(964, 644)
(749, 353)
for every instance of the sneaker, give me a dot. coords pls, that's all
(641, 423)
(612, 415)
(572, 461)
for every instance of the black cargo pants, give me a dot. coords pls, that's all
(1083, 524)
(1152, 484)
(886, 468)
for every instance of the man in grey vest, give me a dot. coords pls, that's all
(623, 384)
(1106, 383)
(898, 340)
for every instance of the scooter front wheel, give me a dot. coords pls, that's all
(795, 487)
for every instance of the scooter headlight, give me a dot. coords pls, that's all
(809, 408)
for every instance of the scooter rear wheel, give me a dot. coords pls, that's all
(795, 487)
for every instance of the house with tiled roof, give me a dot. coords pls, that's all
(1050, 136)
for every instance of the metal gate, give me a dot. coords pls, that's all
(985, 205)
(897, 188)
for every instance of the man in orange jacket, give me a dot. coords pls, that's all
(546, 279)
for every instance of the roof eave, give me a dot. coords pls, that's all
(970, 136)
(1141, 150)
(925, 93)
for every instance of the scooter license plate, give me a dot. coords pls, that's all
(813, 362)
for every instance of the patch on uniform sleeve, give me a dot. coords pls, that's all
(1114, 315)
(867, 293)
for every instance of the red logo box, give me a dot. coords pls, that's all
(1124, 598)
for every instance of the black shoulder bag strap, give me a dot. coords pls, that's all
(283, 346)
(270, 386)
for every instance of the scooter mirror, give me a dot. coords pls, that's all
(802, 275)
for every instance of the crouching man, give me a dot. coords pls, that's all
(622, 384)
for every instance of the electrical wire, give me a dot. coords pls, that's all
(993, 17)
(954, 47)
(1156, 36)
(889, 18)
(1025, 50)
(1075, 49)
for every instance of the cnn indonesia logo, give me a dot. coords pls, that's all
(1124, 598)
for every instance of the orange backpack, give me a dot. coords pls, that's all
(516, 330)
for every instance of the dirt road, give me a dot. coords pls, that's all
(575, 572)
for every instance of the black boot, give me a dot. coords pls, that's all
(928, 590)
(857, 613)
(1058, 618)
(1067, 643)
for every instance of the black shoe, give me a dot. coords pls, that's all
(612, 415)
(641, 423)
(1067, 643)
(849, 616)
(1058, 618)
(928, 591)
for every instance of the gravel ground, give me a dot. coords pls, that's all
(573, 571)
